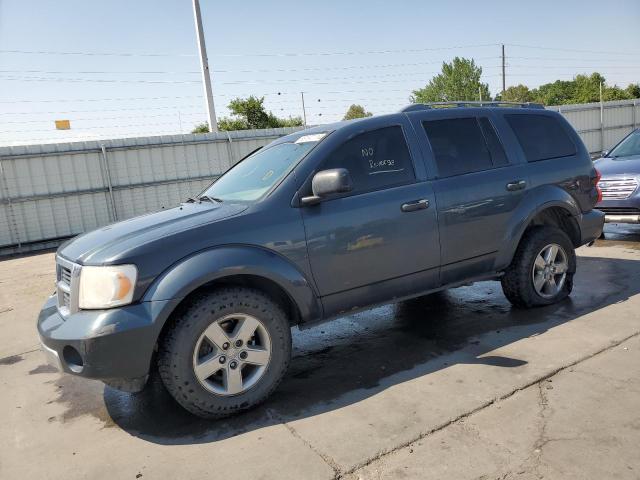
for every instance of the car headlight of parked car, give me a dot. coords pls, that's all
(107, 286)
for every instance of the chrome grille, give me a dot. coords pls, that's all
(65, 275)
(66, 299)
(617, 188)
(67, 279)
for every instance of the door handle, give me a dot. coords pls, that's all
(516, 185)
(413, 206)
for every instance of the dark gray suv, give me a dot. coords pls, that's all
(319, 223)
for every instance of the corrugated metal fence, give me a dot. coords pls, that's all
(51, 192)
(601, 128)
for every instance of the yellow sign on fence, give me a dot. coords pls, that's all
(63, 125)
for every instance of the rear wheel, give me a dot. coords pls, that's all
(225, 352)
(542, 269)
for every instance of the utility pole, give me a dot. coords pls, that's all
(304, 111)
(204, 64)
(504, 82)
(601, 120)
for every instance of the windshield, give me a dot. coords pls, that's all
(255, 175)
(628, 147)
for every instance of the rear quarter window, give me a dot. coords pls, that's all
(458, 146)
(541, 137)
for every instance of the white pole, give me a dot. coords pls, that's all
(601, 120)
(304, 110)
(204, 63)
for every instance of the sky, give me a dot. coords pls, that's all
(130, 68)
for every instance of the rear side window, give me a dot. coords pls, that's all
(495, 147)
(377, 159)
(541, 137)
(458, 146)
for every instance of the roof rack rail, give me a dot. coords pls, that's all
(428, 106)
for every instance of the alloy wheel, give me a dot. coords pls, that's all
(232, 354)
(550, 270)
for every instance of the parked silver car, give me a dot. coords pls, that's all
(620, 170)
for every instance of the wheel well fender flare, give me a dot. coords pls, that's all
(535, 202)
(207, 266)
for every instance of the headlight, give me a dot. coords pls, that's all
(105, 287)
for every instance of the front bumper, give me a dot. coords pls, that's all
(625, 210)
(53, 359)
(622, 218)
(114, 345)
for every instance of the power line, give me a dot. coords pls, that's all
(306, 54)
(253, 82)
(372, 103)
(98, 127)
(103, 72)
(278, 54)
(577, 68)
(100, 99)
(184, 113)
(94, 80)
(97, 136)
(569, 49)
(567, 58)
(93, 54)
(171, 107)
(268, 96)
(235, 82)
(260, 70)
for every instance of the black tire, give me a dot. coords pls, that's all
(517, 281)
(176, 350)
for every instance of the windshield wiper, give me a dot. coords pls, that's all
(207, 198)
(203, 198)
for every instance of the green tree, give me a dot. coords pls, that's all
(356, 111)
(582, 89)
(201, 128)
(459, 80)
(251, 110)
(633, 90)
(249, 113)
(518, 93)
(276, 122)
(587, 88)
(231, 124)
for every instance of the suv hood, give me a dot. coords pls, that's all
(113, 242)
(619, 166)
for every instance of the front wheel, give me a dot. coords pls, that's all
(225, 352)
(542, 269)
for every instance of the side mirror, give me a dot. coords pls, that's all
(605, 153)
(328, 182)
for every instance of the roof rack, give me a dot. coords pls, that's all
(428, 106)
